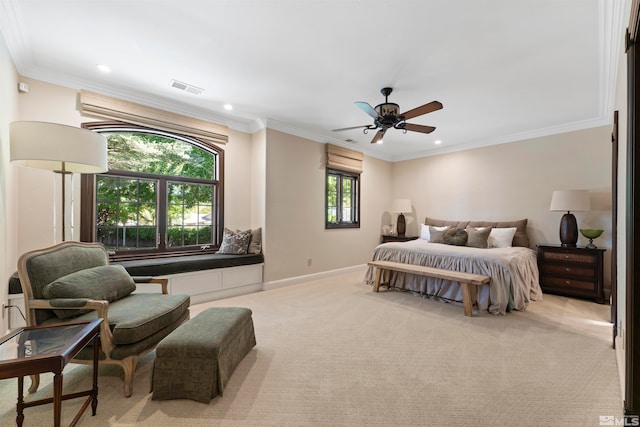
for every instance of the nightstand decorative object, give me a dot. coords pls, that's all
(387, 239)
(574, 272)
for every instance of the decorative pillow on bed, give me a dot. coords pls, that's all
(435, 235)
(478, 237)
(455, 236)
(424, 231)
(234, 242)
(105, 282)
(501, 237)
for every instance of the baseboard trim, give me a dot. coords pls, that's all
(275, 284)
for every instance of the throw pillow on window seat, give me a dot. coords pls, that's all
(235, 242)
(255, 244)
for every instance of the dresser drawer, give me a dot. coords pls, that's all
(552, 256)
(578, 270)
(567, 283)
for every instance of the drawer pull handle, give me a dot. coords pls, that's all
(567, 257)
(567, 282)
(567, 269)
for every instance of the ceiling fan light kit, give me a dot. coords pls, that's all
(386, 116)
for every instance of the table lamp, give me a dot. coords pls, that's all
(567, 201)
(401, 206)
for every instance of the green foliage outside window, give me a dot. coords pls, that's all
(129, 208)
(342, 200)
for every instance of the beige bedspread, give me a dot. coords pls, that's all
(513, 272)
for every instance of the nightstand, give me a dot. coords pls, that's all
(386, 239)
(573, 272)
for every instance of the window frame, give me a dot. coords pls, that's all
(88, 196)
(355, 199)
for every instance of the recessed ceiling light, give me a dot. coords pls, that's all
(438, 141)
(380, 141)
(104, 68)
(228, 107)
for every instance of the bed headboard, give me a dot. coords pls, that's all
(519, 239)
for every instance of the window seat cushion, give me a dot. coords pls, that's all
(185, 264)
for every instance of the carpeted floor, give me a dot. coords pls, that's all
(332, 353)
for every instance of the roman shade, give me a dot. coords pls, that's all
(344, 159)
(106, 107)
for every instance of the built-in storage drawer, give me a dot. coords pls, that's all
(575, 272)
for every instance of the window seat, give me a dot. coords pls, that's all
(165, 266)
(185, 264)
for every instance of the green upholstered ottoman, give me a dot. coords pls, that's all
(196, 360)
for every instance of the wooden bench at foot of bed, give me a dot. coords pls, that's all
(468, 281)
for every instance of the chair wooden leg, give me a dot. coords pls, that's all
(129, 369)
(35, 383)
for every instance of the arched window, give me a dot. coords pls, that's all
(162, 194)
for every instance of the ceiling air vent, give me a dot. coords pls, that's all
(186, 87)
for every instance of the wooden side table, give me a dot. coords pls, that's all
(49, 348)
(386, 239)
(574, 272)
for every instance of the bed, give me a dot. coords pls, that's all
(512, 267)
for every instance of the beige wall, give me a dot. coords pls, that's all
(8, 203)
(514, 181)
(40, 189)
(295, 209)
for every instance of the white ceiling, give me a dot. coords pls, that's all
(504, 69)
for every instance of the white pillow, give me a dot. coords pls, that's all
(424, 231)
(501, 237)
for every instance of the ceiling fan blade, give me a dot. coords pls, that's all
(367, 109)
(424, 109)
(378, 136)
(349, 128)
(418, 128)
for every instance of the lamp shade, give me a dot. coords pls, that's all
(57, 147)
(401, 206)
(570, 200)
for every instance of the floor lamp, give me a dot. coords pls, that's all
(59, 148)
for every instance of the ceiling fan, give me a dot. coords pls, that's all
(386, 116)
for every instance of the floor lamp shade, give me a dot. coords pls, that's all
(59, 148)
(401, 206)
(567, 201)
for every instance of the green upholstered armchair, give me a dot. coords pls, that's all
(74, 281)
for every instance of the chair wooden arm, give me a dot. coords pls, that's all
(101, 306)
(163, 281)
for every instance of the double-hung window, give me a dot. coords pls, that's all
(161, 195)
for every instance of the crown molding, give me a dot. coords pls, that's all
(317, 137)
(515, 137)
(611, 35)
(12, 28)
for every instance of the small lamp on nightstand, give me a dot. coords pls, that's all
(401, 206)
(567, 201)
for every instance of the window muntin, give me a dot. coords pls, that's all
(126, 212)
(189, 214)
(342, 203)
(161, 194)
